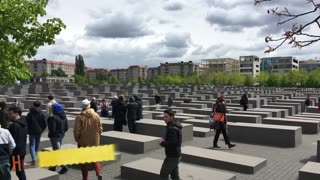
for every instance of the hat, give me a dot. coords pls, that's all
(56, 108)
(116, 97)
(86, 103)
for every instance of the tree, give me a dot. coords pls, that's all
(262, 78)
(102, 76)
(274, 80)
(80, 66)
(21, 35)
(297, 35)
(248, 80)
(59, 73)
(45, 74)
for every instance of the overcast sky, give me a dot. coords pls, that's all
(120, 33)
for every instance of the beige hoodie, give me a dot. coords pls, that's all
(87, 128)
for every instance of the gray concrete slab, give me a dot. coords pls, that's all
(244, 118)
(265, 134)
(291, 109)
(222, 160)
(308, 126)
(275, 112)
(149, 168)
(202, 132)
(132, 143)
(310, 171)
(262, 114)
(158, 129)
(38, 174)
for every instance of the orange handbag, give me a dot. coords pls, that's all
(218, 117)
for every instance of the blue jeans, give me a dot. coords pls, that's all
(56, 144)
(34, 141)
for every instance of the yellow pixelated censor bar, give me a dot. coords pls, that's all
(77, 156)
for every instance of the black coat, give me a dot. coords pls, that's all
(58, 126)
(120, 110)
(244, 100)
(173, 140)
(36, 121)
(157, 99)
(114, 107)
(170, 101)
(132, 111)
(94, 105)
(19, 130)
(139, 110)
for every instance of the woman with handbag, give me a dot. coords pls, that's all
(221, 123)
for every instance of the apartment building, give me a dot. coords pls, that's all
(38, 67)
(250, 65)
(136, 72)
(281, 65)
(153, 72)
(309, 65)
(226, 65)
(180, 68)
(120, 74)
(93, 73)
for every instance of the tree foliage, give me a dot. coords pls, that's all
(59, 73)
(21, 34)
(298, 35)
(80, 69)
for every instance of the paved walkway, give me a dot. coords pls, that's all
(282, 163)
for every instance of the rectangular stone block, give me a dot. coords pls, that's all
(262, 114)
(198, 123)
(132, 143)
(202, 132)
(275, 112)
(318, 149)
(158, 129)
(222, 160)
(310, 171)
(244, 118)
(265, 134)
(308, 126)
(313, 109)
(37, 174)
(149, 168)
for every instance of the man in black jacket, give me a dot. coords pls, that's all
(120, 117)
(94, 104)
(18, 130)
(172, 145)
(7, 145)
(244, 101)
(140, 108)
(4, 122)
(37, 123)
(132, 114)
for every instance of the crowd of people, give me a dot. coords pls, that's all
(88, 128)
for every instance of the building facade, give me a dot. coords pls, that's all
(181, 68)
(309, 65)
(225, 65)
(120, 74)
(250, 65)
(153, 72)
(281, 65)
(93, 74)
(38, 67)
(136, 72)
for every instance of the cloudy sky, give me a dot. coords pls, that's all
(120, 33)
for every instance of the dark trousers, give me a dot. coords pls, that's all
(20, 174)
(245, 107)
(225, 136)
(117, 125)
(132, 125)
(56, 145)
(170, 167)
(105, 113)
(5, 171)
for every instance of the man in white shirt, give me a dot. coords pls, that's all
(7, 145)
(49, 106)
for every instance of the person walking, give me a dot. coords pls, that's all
(94, 104)
(49, 105)
(18, 129)
(158, 100)
(4, 122)
(37, 123)
(132, 114)
(7, 146)
(104, 106)
(140, 107)
(221, 120)
(113, 105)
(87, 131)
(244, 101)
(120, 117)
(170, 101)
(172, 144)
(58, 126)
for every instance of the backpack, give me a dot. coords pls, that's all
(212, 123)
